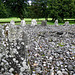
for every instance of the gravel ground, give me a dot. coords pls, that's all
(49, 50)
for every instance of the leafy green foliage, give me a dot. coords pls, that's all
(17, 7)
(56, 9)
(3, 11)
(38, 9)
(60, 9)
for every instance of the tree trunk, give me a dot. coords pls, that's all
(46, 19)
(53, 19)
(21, 18)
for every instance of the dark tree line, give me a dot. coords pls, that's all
(60, 9)
(55, 9)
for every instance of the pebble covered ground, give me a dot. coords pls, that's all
(50, 50)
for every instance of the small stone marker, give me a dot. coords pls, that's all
(66, 23)
(44, 23)
(12, 22)
(33, 22)
(56, 22)
(23, 23)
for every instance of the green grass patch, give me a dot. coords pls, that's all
(69, 19)
(9, 19)
(18, 19)
(61, 45)
(49, 23)
(28, 21)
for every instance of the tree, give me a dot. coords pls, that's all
(38, 9)
(3, 10)
(72, 9)
(18, 7)
(60, 9)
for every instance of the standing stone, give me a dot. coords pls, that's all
(1, 36)
(12, 23)
(23, 23)
(12, 31)
(56, 22)
(0, 30)
(33, 22)
(5, 30)
(13, 54)
(19, 31)
(44, 23)
(66, 23)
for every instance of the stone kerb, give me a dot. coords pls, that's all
(33, 22)
(56, 22)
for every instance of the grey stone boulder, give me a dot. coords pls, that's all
(44, 23)
(66, 23)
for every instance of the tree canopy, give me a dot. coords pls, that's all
(55, 9)
(60, 9)
(17, 7)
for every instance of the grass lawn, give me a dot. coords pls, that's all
(18, 19)
(28, 20)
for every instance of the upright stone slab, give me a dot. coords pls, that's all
(1, 37)
(44, 23)
(5, 30)
(23, 23)
(33, 22)
(12, 22)
(13, 54)
(12, 31)
(0, 30)
(56, 22)
(19, 31)
(66, 23)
